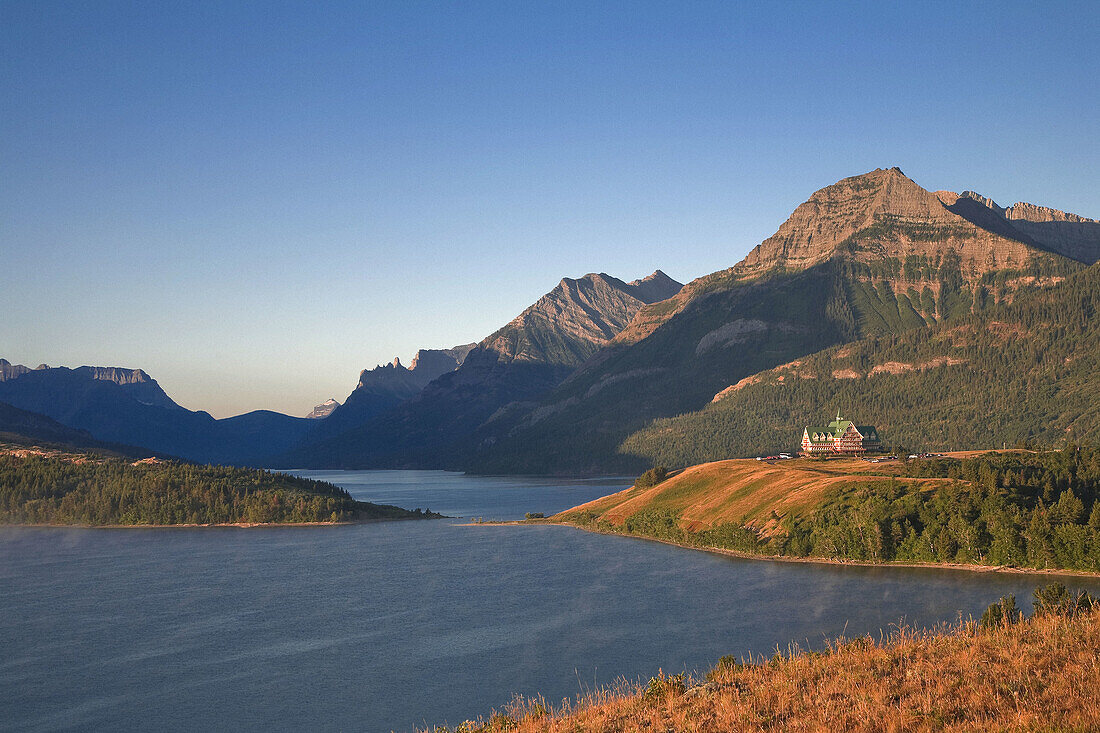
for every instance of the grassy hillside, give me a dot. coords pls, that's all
(47, 487)
(1026, 371)
(742, 492)
(1037, 674)
(1019, 508)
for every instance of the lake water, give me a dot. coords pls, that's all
(404, 624)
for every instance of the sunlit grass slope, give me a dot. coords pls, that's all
(741, 491)
(1042, 674)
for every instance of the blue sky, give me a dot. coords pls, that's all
(254, 201)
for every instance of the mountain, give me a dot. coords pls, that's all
(874, 254)
(1019, 372)
(127, 406)
(23, 428)
(389, 385)
(504, 373)
(323, 410)
(1070, 235)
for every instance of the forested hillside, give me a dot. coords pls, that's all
(86, 490)
(1026, 371)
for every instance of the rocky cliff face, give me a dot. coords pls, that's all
(572, 321)
(1070, 235)
(881, 214)
(135, 383)
(11, 371)
(431, 363)
(386, 386)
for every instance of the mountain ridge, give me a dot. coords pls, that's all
(871, 254)
(508, 369)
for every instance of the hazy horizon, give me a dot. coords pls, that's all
(255, 203)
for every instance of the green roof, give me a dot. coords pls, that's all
(838, 427)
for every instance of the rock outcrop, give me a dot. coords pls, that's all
(323, 410)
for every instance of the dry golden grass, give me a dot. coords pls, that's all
(742, 491)
(1040, 675)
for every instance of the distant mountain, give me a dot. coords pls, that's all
(874, 254)
(323, 410)
(127, 406)
(23, 428)
(506, 372)
(388, 385)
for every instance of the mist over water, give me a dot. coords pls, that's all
(403, 624)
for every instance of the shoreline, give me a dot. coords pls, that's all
(970, 568)
(220, 525)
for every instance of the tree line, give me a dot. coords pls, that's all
(1028, 510)
(92, 491)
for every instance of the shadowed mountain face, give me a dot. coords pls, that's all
(127, 406)
(1067, 234)
(388, 385)
(506, 372)
(23, 428)
(872, 254)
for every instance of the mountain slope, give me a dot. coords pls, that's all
(515, 365)
(872, 254)
(1015, 373)
(26, 429)
(127, 406)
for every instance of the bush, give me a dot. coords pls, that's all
(534, 515)
(1002, 613)
(661, 687)
(652, 477)
(726, 663)
(1054, 599)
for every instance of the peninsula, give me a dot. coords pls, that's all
(53, 487)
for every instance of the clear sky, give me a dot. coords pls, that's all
(254, 201)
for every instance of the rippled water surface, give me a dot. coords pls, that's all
(402, 624)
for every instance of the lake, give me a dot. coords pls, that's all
(395, 625)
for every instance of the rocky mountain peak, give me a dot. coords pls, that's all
(655, 288)
(323, 410)
(565, 326)
(877, 215)
(973, 196)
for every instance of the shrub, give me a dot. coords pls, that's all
(652, 477)
(726, 663)
(662, 687)
(1002, 613)
(534, 515)
(1055, 599)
